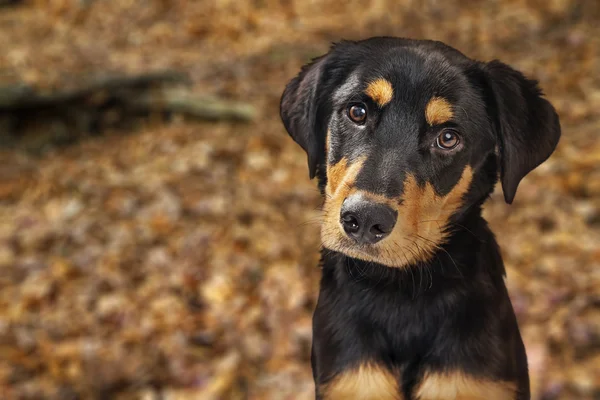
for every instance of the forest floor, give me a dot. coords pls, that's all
(178, 259)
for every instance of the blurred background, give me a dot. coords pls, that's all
(159, 233)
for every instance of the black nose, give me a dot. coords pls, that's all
(366, 221)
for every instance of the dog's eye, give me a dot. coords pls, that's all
(357, 113)
(447, 140)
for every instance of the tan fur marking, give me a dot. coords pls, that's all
(340, 179)
(381, 91)
(419, 231)
(460, 386)
(327, 143)
(365, 383)
(438, 111)
(378, 198)
(335, 175)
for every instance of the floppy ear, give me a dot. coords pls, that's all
(527, 125)
(301, 111)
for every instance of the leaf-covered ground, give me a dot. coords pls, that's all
(179, 260)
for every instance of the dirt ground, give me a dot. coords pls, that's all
(178, 260)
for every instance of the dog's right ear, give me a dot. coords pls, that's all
(302, 112)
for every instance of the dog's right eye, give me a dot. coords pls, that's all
(357, 113)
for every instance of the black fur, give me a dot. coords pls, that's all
(453, 311)
(527, 124)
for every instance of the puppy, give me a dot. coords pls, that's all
(407, 139)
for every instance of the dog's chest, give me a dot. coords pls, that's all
(401, 336)
(370, 382)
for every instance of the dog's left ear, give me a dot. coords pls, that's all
(301, 111)
(527, 124)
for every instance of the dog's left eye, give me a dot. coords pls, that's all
(447, 140)
(357, 113)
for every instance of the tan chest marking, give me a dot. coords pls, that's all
(459, 386)
(367, 382)
(381, 91)
(438, 111)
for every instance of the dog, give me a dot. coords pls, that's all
(407, 139)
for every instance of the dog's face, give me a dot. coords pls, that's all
(405, 134)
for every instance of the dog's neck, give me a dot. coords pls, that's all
(470, 252)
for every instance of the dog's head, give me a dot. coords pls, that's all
(406, 136)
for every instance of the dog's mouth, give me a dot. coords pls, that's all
(398, 249)
(347, 246)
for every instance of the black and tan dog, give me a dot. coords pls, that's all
(407, 139)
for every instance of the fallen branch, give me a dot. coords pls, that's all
(208, 108)
(140, 93)
(6, 3)
(20, 96)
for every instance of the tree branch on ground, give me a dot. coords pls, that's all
(144, 92)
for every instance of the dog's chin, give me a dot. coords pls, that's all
(387, 252)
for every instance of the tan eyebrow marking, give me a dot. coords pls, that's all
(438, 111)
(381, 91)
